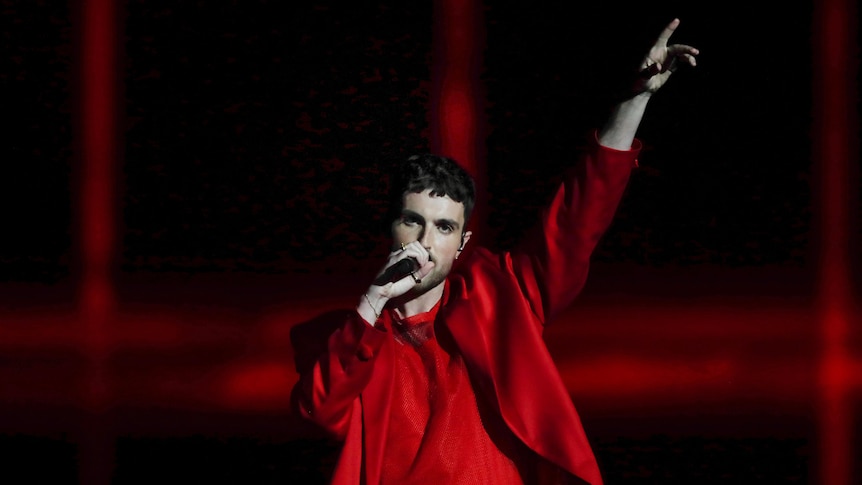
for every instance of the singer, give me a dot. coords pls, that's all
(440, 374)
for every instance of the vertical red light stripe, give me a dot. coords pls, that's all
(97, 181)
(457, 60)
(834, 150)
(96, 186)
(457, 97)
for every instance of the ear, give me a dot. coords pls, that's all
(465, 236)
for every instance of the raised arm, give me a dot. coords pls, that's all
(654, 71)
(553, 262)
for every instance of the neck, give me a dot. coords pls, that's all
(414, 304)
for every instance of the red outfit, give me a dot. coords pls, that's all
(486, 350)
(435, 416)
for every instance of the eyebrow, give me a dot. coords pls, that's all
(410, 213)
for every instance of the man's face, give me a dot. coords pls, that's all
(438, 224)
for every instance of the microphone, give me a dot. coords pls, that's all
(397, 271)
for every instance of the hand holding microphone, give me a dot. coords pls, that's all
(406, 267)
(397, 271)
(410, 259)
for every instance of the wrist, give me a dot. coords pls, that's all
(373, 302)
(376, 297)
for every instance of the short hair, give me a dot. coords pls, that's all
(442, 175)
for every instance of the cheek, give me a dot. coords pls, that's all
(400, 233)
(448, 250)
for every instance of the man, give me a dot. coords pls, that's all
(440, 374)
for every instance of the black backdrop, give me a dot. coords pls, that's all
(257, 137)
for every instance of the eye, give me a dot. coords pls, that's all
(409, 221)
(445, 228)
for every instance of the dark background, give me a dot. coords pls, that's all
(257, 135)
(256, 141)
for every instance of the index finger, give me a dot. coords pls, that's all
(667, 32)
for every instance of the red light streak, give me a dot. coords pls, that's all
(456, 64)
(457, 96)
(835, 123)
(97, 186)
(96, 304)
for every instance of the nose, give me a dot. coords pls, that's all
(425, 238)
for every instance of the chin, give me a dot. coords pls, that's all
(428, 283)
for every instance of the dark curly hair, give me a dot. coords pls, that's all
(444, 176)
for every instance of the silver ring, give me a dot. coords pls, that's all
(417, 280)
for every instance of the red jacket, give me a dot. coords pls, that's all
(496, 307)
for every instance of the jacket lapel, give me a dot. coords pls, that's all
(501, 342)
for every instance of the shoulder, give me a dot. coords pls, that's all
(482, 260)
(484, 269)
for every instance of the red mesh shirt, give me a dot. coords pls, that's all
(438, 432)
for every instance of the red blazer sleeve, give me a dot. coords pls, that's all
(335, 356)
(552, 262)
